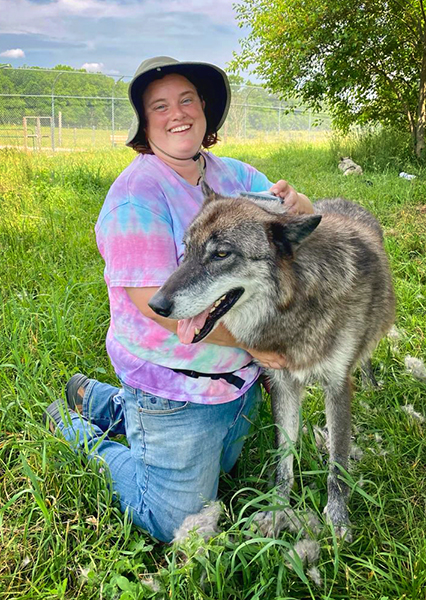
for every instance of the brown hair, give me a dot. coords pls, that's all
(141, 145)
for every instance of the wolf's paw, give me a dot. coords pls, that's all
(270, 523)
(337, 515)
(204, 523)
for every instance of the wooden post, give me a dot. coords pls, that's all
(38, 131)
(60, 128)
(75, 137)
(25, 127)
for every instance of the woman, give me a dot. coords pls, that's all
(185, 408)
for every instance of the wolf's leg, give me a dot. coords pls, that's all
(285, 398)
(286, 395)
(338, 394)
(367, 374)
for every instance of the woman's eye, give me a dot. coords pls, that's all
(160, 107)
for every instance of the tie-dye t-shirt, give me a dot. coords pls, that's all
(139, 234)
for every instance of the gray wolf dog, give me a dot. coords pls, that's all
(314, 288)
(349, 167)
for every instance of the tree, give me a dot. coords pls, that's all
(365, 59)
(83, 99)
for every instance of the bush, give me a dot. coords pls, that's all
(379, 150)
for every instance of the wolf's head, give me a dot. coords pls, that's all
(235, 250)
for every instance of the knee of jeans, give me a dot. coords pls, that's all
(161, 525)
(231, 455)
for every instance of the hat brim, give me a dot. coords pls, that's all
(212, 85)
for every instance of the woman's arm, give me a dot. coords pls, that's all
(219, 336)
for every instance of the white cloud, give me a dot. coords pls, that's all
(120, 33)
(13, 53)
(55, 19)
(93, 67)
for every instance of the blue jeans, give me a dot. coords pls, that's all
(176, 449)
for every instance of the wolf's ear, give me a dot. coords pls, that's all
(289, 234)
(208, 193)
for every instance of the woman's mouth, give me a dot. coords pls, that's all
(180, 128)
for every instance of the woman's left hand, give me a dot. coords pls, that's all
(294, 202)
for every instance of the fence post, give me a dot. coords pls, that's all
(113, 112)
(112, 121)
(279, 117)
(25, 128)
(245, 111)
(60, 129)
(38, 132)
(52, 123)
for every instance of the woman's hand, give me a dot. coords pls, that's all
(295, 203)
(268, 360)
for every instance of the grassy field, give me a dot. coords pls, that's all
(69, 138)
(62, 536)
(85, 138)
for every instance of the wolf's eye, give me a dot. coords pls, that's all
(220, 255)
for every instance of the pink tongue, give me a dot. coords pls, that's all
(186, 327)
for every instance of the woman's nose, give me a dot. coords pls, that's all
(177, 111)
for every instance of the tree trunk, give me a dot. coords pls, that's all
(420, 128)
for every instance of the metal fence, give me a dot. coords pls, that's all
(70, 110)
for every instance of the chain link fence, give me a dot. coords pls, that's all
(72, 110)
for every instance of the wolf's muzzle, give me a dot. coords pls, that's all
(160, 304)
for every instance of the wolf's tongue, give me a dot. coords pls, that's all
(186, 327)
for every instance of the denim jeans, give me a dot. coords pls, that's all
(176, 449)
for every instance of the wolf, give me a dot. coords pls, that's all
(316, 289)
(349, 167)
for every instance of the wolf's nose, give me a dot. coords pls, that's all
(160, 304)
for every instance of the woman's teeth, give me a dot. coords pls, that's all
(181, 128)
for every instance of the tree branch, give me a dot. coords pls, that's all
(376, 68)
(422, 8)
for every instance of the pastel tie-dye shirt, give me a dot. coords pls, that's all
(139, 234)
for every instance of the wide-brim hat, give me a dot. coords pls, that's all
(211, 82)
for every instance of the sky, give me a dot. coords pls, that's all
(115, 36)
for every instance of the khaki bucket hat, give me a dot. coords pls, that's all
(211, 82)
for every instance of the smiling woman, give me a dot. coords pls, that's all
(176, 123)
(184, 407)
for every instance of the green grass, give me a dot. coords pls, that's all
(62, 536)
(69, 138)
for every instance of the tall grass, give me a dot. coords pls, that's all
(61, 534)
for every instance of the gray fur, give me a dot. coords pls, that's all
(317, 289)
(204, 523)
(349, 167)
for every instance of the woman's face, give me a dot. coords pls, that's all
(174, 115)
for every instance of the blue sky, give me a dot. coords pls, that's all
(114, 36)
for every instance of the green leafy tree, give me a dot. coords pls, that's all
(84, 100)
(252, 109)
(365, 59)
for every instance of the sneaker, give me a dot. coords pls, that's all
(54, 413)
(74, 390)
